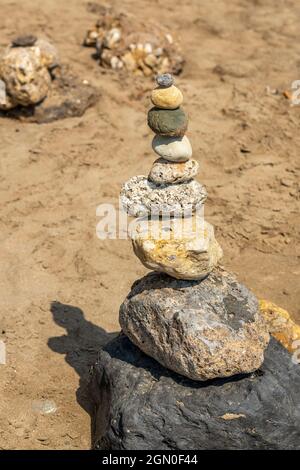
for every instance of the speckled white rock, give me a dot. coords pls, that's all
(141, 197)
(164, 171)
(183, 248)
(174, 149)
(26, 78)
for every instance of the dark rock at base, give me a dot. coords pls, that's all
(68, 97)
(141, 405)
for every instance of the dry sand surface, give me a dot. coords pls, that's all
(61, 287)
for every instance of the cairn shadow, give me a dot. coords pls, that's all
(80, 346)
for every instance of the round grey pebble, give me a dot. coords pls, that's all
(165, 80)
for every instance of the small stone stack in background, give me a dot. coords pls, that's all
(25, 72)
(191, 316)
(126, 44)
(36, 87)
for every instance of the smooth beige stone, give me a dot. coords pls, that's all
(183, 248)
(167, 98)
(174, 149)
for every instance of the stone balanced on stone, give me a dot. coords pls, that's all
(190, 315)
(25, 72)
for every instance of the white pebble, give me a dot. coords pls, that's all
(148, 48)
(44, 407)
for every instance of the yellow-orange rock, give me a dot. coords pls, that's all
(167, 98)
(280, 324)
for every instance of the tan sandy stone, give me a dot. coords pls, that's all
(182, 248)
(167, 98)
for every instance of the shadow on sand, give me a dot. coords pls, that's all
(80, 345)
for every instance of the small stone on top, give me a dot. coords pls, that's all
(24, 41)
(165, 80)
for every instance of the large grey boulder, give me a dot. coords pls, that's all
(138, 404)
(201, 329)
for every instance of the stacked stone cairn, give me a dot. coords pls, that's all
(25, 72)
(190, 315)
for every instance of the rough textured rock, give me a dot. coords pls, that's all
(200, 329)
(26, 78)
(167, 98)
(168, 122)
(183, 248)
(280, 325)
(174, 149)
(140, 197)
(141, 405)
(163, 171)
(69, 97)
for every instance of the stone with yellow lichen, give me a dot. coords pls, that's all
(167, 98)
(280, 324)
(183, 248)
(26, 78)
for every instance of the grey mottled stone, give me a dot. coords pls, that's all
(200, 329)
(140, 405)
(165, 80)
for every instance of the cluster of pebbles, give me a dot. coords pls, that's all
(122, 42)
(190, 315)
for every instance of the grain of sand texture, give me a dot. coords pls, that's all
(60, 286)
